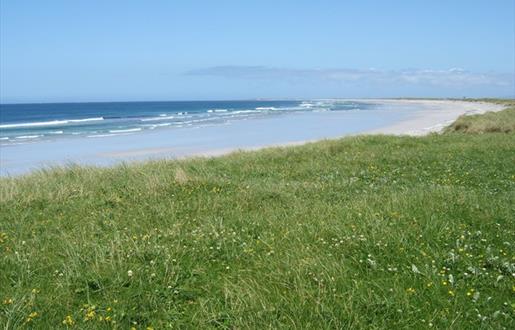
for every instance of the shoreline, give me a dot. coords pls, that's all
(392, 117)
(437, 120)
(415, 126)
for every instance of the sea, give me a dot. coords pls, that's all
(30, 123)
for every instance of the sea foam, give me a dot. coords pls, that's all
(125, 130)
(51, 122)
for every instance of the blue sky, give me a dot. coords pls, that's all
(58, 51)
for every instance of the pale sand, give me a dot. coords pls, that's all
(429, 116)
(437, 115)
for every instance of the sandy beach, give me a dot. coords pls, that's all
(398, 117)
(428, 116)
(436, 115)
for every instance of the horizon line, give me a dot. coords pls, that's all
(268, 99)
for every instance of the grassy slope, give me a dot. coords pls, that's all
(363, 232)
(502, 122)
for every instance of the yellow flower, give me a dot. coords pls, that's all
(68, 321)
(31, 316)
(90, 314)
(8, 301)
(410, 290)
(3, 237)
(451, 293)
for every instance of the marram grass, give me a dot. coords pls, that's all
(491, 122)
(370, 232)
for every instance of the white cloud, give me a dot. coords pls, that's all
(454, 77)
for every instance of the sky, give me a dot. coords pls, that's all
(78, 51)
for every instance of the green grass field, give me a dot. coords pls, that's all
(372, 232)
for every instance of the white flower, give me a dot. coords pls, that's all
(129, 273)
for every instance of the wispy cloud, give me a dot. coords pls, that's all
(454, 77)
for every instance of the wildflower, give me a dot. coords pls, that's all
(31, 316)
(410, 290)
(90, 313)
(130, 273)
(451, 293)
(8, 301)
(68, 321)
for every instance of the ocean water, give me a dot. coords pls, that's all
(31, 123)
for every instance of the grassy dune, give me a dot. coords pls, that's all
(501, 122)
(367, 232)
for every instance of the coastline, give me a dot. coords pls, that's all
(372, 220)
(432, 120)
(437, 118)
(393, 117)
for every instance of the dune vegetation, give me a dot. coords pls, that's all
(367, 232)
(493, 122)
